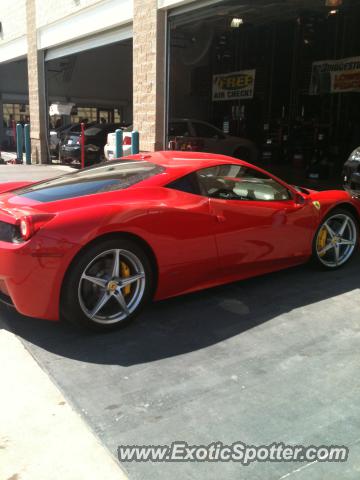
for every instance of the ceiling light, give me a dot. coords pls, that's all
(236, 22)
(333, 12)
(333, 3)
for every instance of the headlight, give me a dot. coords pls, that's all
(355, 156)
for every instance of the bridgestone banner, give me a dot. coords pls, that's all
(335, 76)
(233, 86)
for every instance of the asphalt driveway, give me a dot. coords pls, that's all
(266, 360)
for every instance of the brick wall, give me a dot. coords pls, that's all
(36, 79)
(149, 74)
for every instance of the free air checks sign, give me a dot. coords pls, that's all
(233, 86)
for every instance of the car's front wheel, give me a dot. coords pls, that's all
(336, 239)
(107, 285)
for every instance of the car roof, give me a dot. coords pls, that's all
(179, 163)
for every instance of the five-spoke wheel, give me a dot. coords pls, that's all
(108, 284)
(111, 286)
(336, 239)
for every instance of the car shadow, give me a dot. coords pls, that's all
(191, 322)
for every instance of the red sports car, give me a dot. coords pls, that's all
(95, 245)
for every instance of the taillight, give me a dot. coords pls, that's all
(26, 228)
(127, 141)
(30, 224)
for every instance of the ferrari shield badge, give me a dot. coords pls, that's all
(316, 205)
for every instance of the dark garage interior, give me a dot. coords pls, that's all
(304, 124)
(14, 101)
(97, 81)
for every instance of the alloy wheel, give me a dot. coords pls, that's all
(336, 240)
(111, 286)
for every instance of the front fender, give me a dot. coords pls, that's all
(327, 200)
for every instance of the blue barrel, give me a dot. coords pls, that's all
(135, 142)
(27, 143)
(118, 143)
(19, 142)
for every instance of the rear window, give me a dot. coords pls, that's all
(101, 178)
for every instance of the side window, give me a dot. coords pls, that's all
(188, 184)
(206, 131)
(179, 129)
(238, 182)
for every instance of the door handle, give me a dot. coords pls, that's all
(220, 218)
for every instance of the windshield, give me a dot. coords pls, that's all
(99, 179)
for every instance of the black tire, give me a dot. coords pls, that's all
(321, 260)
(72, 304)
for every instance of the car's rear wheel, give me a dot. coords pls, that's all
(336, 239)
(107, 285)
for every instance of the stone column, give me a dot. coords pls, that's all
(37, 95)
(149, 73)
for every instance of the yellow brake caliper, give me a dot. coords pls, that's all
(321, 242)
(125, 273)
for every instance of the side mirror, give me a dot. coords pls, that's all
(300, 199)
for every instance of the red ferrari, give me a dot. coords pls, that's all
(95, 245)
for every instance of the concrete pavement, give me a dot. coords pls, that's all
(41, 436)
(14, 173)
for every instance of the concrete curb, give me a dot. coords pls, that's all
(41, 436)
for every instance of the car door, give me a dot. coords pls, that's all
(260, 222)
(189, 227)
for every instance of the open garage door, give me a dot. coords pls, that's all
(283, 75)
(14, 100)
(89, 43)
(96, 81)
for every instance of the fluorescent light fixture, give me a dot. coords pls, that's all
(333, 3)
(236, 22)
(333, 12)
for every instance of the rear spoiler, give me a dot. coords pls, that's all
(7, 187)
